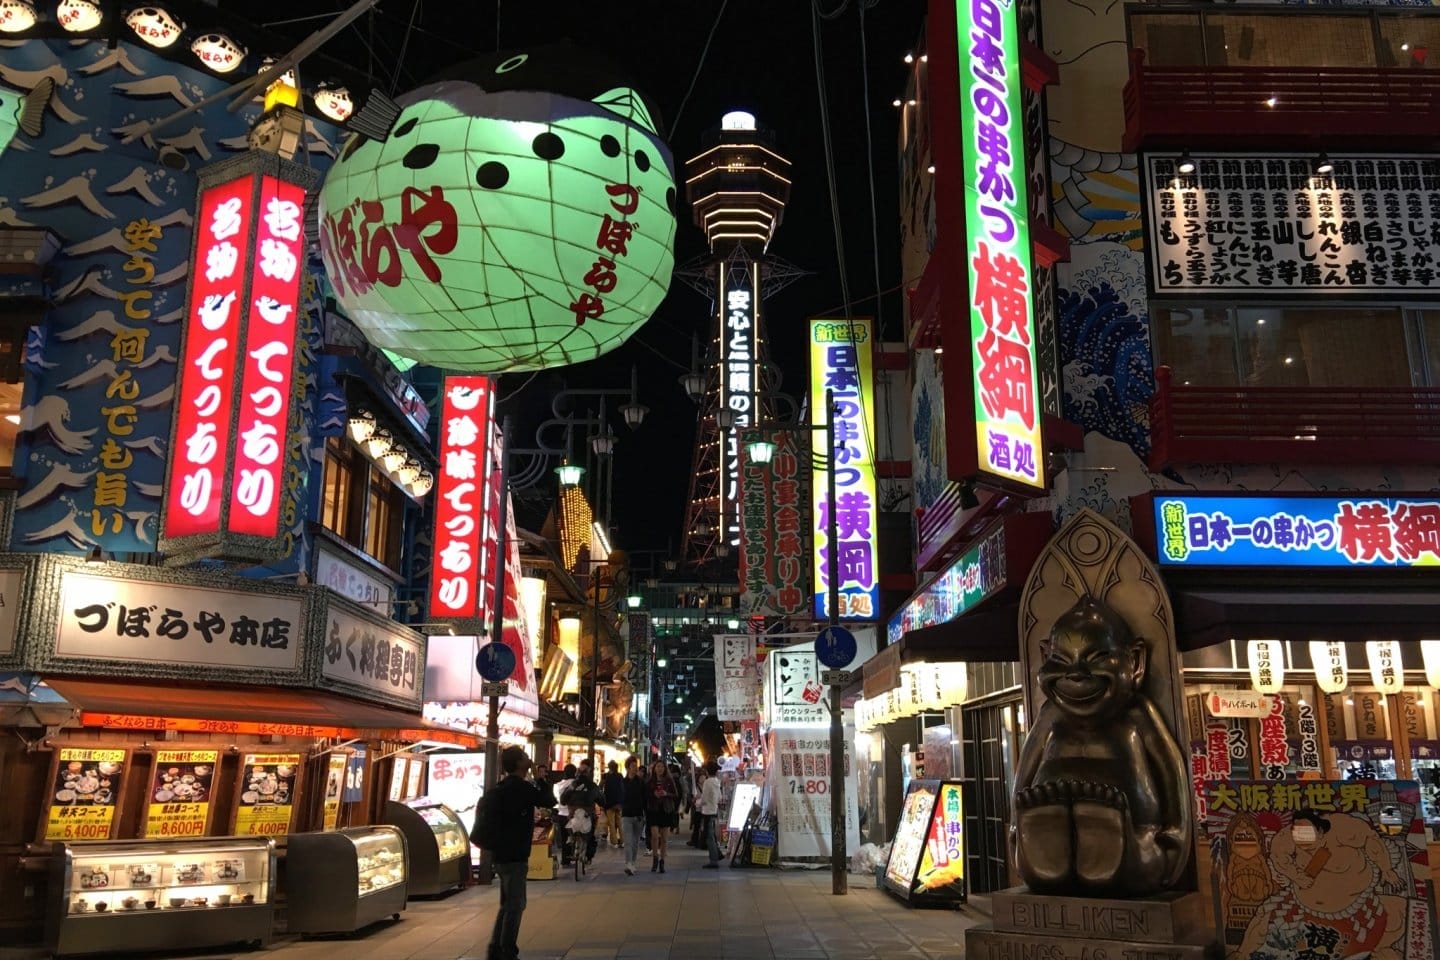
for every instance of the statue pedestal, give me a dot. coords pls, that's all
(1026, 925)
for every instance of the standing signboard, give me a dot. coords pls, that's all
(927, 857)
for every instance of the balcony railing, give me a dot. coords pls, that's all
(1330, 425)
(1263, 106)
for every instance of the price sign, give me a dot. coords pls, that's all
(334, 788)
(83, 793)
(267, 792)
(180, 793)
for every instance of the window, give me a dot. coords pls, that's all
(1317, 346)
(359, 503)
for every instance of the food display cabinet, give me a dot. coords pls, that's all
(339, 881)
(437, 843)
(115, 896)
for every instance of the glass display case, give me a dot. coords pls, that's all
(438, 846)
(127, 895)
(339, 881)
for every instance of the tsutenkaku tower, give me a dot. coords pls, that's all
(737, 187)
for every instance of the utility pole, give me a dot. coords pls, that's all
(497, 634)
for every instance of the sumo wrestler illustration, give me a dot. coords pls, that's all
(517, 215)
(1101, 787)
(1339, 893)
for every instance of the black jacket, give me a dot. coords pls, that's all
(634, 803)
(512, 802)
(614, 788)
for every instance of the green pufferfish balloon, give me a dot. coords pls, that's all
(519, 216)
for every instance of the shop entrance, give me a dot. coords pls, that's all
(990, 734)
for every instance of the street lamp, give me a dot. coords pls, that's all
(760, 451)
(633, 601)
(570, 474)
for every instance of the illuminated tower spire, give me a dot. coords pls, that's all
(737, 186)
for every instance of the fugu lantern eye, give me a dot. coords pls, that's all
(609, 146)
(642, 160)
(548, 146)
(492, 175)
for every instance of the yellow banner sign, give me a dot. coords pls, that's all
(267, 790)
(180, 793)
(84, 793)
(334, 783)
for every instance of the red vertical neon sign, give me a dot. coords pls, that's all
(460, 489)
(195, 485)
(269, 360)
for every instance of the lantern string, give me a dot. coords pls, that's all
(404, 46)
(675, 124)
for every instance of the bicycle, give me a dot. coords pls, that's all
(579, 826)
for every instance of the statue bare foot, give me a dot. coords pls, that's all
(1044, 844)
(1102, 824)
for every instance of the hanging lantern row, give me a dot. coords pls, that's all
(923, 688)
(381, 446)
(1332, 668)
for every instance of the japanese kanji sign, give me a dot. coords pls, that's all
(181, 790)
(737, 677)
(841, 361)
(225, 485)
(388, 660)
(85, 789)
(997, 245)
(970, 578)
(775, 529)
(801, 792)
(1271, 224)
(1320, 869)
(1296, 531)
(461, 492)
(112, 618)
(739, 305)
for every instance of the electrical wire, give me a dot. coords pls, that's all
(404, 46)
(829, 151)
(675, 123)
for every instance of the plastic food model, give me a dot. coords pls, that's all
(518, 216)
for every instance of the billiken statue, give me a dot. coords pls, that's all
(1102, 800)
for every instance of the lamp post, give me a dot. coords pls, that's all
(497, 635)
(763, 451)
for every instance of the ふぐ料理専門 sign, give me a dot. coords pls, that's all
(1245, 531)
(841, 362)
(1275, 225)
(1008, 441)
(226, 472)
(386, 660)
(461, 492)
(172, 627)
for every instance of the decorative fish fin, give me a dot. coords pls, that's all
(628, 104)
(32, 107)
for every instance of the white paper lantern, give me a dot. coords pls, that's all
(16, 15)
(155, 26)
(1332, 670)
(1267, 665)
(218, 52)
(78, 16)
(1387, 670)
(1430, 651)
(335, 103)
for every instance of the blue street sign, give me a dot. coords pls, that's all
(836, 647)
(495, 662)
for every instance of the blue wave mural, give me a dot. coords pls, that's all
(100, 374)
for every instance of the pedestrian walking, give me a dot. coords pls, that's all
(662, 812)
(632, 813)
(614, 789)
(697, 819)
(509, 819)
(709, 806)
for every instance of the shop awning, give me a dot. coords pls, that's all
(1205, 617)
(127, 705)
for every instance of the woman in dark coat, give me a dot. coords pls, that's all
(662, 811)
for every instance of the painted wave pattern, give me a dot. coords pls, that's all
(101, 373)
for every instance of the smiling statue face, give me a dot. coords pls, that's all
(1093, 666)
(517, 217)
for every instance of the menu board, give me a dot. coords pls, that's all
(179, 795)
(909, 840)
(412, 778)
(942, 864)
(334, 785)
(84, 791)
(746, 796)
(267, 794)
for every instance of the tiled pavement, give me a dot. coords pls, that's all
(688, 913)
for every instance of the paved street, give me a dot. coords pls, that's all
(689, 912)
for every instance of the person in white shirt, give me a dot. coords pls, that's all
(562, 812)
(709, 805)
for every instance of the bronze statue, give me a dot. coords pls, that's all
(1102, 798)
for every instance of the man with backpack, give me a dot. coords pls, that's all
(504, 824)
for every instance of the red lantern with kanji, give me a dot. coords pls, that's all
(225, 479)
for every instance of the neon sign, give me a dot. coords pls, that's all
(840, 360)
(997, 245)
(739, 334)
(973, 576)
(1297, 531)
(460, 495)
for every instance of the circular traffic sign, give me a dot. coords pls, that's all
(495, 662)
(836, 647)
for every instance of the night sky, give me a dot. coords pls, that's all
(761, 59)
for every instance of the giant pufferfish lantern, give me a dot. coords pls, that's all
(519, 216)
